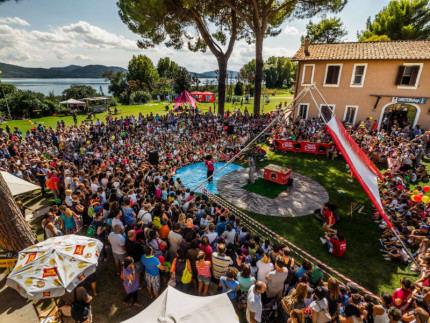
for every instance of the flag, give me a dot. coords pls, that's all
(361, 166)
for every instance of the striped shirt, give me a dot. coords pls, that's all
(220, 264)
(204, 271)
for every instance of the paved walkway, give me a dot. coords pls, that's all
(303, 198)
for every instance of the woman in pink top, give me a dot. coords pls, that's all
(206, 248)
(203, 273)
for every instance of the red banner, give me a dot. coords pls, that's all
(301, 146)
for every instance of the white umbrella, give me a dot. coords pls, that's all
(173, 306)
(17, 185)
(53, 266)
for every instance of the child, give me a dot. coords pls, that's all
(68, 198)
(131, 282)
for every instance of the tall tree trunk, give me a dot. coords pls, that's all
(222, 67)
(258, 71)
(15, 233)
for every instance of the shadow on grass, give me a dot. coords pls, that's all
(362, 262)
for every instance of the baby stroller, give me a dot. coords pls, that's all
(270, 309)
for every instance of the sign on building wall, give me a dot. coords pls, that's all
(410, 100)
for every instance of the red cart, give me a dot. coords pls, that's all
(277, 174)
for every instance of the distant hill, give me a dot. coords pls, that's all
(212, 74)
(71, 71)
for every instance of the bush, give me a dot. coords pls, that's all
(140, 97)
(238, 89)
(124, 98)
(113, 102)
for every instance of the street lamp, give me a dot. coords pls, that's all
(7, 105)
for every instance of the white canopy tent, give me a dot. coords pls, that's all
(174, 306)
(72, 101)
(17, 185)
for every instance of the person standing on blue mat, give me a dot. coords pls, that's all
(209, 163)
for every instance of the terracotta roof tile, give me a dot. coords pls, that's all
(392, 50)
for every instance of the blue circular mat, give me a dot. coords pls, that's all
(192, 175)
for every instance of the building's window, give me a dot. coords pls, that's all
(332, 75)
(408, 75)
(358, 75)
(324, 112)
(308, 74)
(350, 114)
(331, 107)
(303, 110)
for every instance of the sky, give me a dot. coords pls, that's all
(54, 33)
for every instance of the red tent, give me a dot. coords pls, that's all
(196, 93)
(208, 96)
(185, 97)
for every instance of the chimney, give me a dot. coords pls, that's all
(307, 42)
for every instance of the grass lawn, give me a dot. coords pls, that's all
(154, 107)
(265, 188)
(363, 261)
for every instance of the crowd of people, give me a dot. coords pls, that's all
(160, 233)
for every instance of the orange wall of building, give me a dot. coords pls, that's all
(379, 79)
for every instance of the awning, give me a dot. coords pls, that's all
(72, 101)
(17, 185)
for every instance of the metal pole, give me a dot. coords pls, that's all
(7, 105)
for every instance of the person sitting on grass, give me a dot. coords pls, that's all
(329, 219)
(396, 253)
(336, 243)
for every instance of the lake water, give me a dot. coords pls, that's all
(57, 86)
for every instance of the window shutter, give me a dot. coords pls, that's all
(329, 75)
(399, 75)
(336, 70)
(415, 70)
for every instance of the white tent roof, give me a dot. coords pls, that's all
(72, 101)
(17, 185)
(174, 306)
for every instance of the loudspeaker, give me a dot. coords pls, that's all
(153, 157)
(230, 130)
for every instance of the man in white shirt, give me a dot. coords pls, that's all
(117, 242)
(254, 306)
(94, 184)
(144, 215)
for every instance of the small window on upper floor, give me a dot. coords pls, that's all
(332, 75)
(407, 75)
(358, 75)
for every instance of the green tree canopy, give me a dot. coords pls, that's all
(200, 25)
(162, 86)
(278, 72)
(22, 103)
(118, 82)
(400, 20)
(141, 68)
(6, 89)
(264, 17)
(181, 80)
(78, 92)
(327, 31)
(247, 75)
(167, 68)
